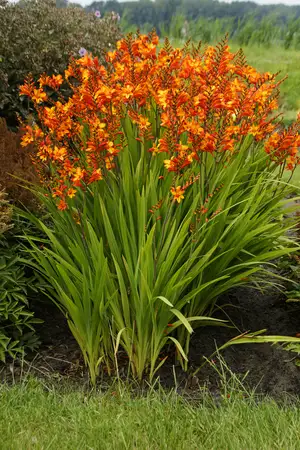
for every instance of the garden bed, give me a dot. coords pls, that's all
(271, 370)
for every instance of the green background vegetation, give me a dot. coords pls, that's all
(208, 20)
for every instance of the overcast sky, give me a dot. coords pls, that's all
(263, 2)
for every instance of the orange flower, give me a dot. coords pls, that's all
(154, 149)
(59, 153)
(96, 175)
(163, 98)
(71, 193)
(27, 88)
(54, 82)
(170, 164)
(177, 193)
(62, 205)
(79, 174)
(38, 96)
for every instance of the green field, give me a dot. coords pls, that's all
(36, 416)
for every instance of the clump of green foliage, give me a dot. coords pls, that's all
(36, 37)
(16, 320)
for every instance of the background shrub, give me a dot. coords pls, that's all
(37, 37)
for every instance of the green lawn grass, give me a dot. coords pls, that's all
(35, 417)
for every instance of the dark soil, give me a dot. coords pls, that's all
(271, 370)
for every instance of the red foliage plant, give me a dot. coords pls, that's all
(15, 166)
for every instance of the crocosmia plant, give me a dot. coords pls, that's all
(162, 176)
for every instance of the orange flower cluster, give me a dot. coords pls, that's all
(182, 102)
(283, 146)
